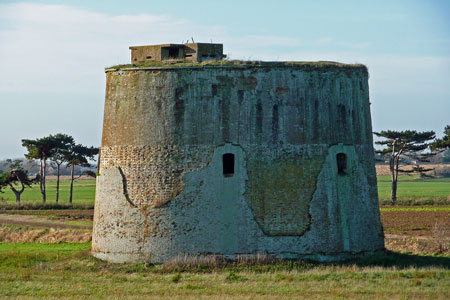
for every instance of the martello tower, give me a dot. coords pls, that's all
(204, 156)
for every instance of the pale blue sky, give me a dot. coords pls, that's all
(53, 53)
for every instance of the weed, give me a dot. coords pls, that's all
(284, 277)
(44, 271)
(233, 276)
(176, 278)
(193, 287)
(441, 236)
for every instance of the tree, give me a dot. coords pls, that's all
(62, 144)
(403, 146)
(79, 155)
(16, 176)
(444, 143)
(2, 181)
(41, 149)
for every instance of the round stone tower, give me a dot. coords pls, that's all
(233, 159)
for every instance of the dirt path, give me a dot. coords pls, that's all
(33, 221)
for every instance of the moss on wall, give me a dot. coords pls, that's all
(279, 192)
(307, 66)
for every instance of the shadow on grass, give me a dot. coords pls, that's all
(388, 258)
(266, 263)
(76, 257)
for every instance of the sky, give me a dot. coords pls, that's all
(53, 54)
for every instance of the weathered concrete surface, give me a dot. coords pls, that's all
(161, 190)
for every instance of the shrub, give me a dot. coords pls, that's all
(441, 171)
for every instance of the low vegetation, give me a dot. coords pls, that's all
(47, 250)
(172, 63)
(413, 190)
(33, 270)
(84, 194)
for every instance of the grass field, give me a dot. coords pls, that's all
(416, 189)
(60, 270)
(83, 193)
(66, 271)
(410, 189)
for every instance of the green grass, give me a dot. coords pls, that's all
(173, 63)
(410, 189)
(83, 193)
(423, 208)
(415, 188)
(54, 271)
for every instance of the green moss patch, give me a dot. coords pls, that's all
(318, 65)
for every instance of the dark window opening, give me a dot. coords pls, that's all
(135, 59)
(148, 57)
(173, 52)
(341, 160)
(188, 55)
(342, 114)
(214, 89)
(228, 164)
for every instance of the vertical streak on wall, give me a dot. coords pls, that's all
(228, 194)
(343, 185)
(168, 128)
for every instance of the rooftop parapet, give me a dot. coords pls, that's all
(191, 51)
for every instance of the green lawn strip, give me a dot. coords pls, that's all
(387, 178)
(410, 189)
(84, 193)
(43, 248)
(17, 256)
(426, 208)
(416, 190)
(403, 178)
(57, 219)
(68, 271)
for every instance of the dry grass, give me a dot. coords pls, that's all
(16, 234)
(383, 170)
(441, 237)
(54, 272)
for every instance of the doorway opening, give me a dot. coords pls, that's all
(228, 164)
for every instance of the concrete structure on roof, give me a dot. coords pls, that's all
(190, 51)
(236, 159)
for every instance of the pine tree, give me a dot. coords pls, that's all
(401, 147)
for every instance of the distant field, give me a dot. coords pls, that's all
(415, 188)
(384, 169)
(410, 188)
(83, 192)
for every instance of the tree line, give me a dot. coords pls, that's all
(57, 149)
(402, 147)
(399, 147)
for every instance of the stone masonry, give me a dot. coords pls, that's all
(236, 160)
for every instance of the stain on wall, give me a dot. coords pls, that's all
(167, 129)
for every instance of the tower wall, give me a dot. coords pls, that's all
(162, 191)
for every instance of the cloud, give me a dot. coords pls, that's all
(63, 48)
(53, 57)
